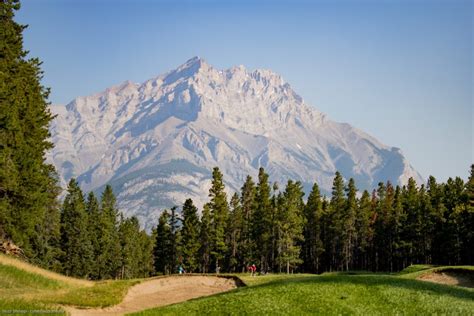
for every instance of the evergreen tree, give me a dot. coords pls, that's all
(47, 242)
(348, 225)
(290, 226)
(75, 242)
(335, 222)
(94, 231)
(234, 230)
(129, 230)
(174, 239)
(162, 250)
(219, 216)
(313, 245)
(438, 212)
(363, 232)
(273, 229)
(398, 218)
(28, 186)
(205, 239)
(467, 220)
(412, 225)
(452, 242)
(190, 236)
(146, 244)
(381, 251)
(262, 220)
(136, 250)
(428, 218)
(246, 244)
(108, 261)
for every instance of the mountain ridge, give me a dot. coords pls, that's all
(163, 136)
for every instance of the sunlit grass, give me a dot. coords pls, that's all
(331, 294)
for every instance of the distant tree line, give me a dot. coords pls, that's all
(385, 230)
(277, 230)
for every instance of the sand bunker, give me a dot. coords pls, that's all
(451, 277)
(162, 291)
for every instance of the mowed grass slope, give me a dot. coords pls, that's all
(332, 294)
(27, 287)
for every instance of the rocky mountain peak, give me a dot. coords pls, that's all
(157, 142)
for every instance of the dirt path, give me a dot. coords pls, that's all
(160, 292)
(6, 260)
(464, 279)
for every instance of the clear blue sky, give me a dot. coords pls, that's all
(400, 70)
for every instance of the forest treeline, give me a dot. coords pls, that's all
(385, 230)
(275, 228)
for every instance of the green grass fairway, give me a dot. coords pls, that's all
(333, 294)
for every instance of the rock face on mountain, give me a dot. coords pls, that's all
(156, 142)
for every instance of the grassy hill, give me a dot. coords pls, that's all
(26, 287)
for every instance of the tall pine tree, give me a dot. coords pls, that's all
(246, 243)
(205, 239)
(109, 257)
(162, 249)
(290, 222)
(262, 221)
(234, 230)
(75, 242)
(28, 186)
(219, 215)
(190, 236)
(335, 222)
(94, 231)
(313, 245)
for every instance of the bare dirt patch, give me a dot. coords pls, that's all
(160, 292)
(456, 277)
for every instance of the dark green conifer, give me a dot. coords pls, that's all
(262, 221)
(205, 239)
(335, 216)
(94, 231)
(233, 233)
(313, 245)
(248, 204)
(348, 225)
(110, 251)
(28, 186)
(190, 236)
(290, 222)
(219, 215)
(75, 242)
(363, 232)
(162, 250)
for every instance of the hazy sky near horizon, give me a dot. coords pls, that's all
(400, 70)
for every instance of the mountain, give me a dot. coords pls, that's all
(156, 142)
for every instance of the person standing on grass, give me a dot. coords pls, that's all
(254, 269)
